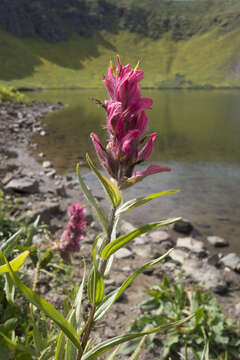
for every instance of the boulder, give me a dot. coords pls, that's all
(23, 185)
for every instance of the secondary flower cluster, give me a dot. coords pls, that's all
(70, 239)
(126, 124)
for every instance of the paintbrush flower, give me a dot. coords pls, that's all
(127, 146)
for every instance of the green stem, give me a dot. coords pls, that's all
(90, 321)
(87, 332)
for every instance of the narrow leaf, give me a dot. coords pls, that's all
(110, 188)
(123, 240)
(114, 353)
(97, 208)
(132, 204)
(11, 241)
(109, 300)
(137, 352)
(73, 317)
(46, 307)
(15, 263)
(110, 343)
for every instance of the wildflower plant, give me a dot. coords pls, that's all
(127, 146)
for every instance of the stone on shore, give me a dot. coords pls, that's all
(217, 241)
(183, 226)
(158, 236)
(46, 210)
(123, 253)
(232, 261)
(205, 274)
(179, 256)
(191, 244)
(126, 227)
(47, 164)
(23, 185)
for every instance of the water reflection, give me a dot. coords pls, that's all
(198, 137)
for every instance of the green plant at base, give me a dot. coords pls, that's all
(10, 94)
(170, 301)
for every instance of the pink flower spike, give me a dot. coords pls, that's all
(70, 239)
(147, 149)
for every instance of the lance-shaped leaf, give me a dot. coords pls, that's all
(15, 263)
(10, 243)
(110, 299)
(95, 287)
(47, 308)
(110, 343)
(110, 188)
(97, 208)
(123, 240)
(74, 318)
(132, 204)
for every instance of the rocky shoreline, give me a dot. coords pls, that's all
(49, 195)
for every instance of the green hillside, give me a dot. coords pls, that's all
(208, 56)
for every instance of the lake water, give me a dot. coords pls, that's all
(199, 138)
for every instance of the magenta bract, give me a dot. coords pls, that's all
(126, 125)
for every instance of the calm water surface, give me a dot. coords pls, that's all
(199, 137)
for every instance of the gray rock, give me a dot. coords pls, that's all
(61, 191)
(217, 241)
(141, 240)
(179, 256)
(143, 251)
(159, 236)
(206, 274)
(126, 269)
(123, 253)
(51, 174)
(192, 244)
(232, 261)
(23, 185)
(183, 226)
(46, 210)
(7, 178)
(126, 227)
(47, 164)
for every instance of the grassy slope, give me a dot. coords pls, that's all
(207, 58)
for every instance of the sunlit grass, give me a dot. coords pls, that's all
(208, 58)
